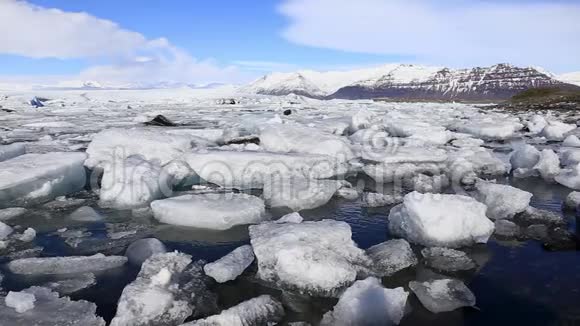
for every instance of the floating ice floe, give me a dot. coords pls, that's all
(440, 220)
(232, 265)
(140, 250)
(448, 260)
(367, 302)
(506, 228)
(570, 177)
(210, 211)
(153, 145)
(443, 295)
(556, 130)
(548, 167)
(524, 158)
(85, 214)
(572, 200)
(532, 215)
(263, 310)
(73, 284)
(159, 295)
(41, 177)
(293, 217)
(571, 141)
(536, 124)
(247, 170)
(299, 193)
(27, 236)
(132, 183)
(316, 258)
(391, 256)
(466, 165)
(5, 231)
(288, 138)
(50, 310)
(11, 151)
(490, 129)
(502, 201)
(11, 212)
(20, 301)
(374, 199)
(65, 265)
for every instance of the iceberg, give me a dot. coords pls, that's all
(41, 177)
(210, 211)
(391, 256)
(367, 302)
(315, 258)
(436, 220)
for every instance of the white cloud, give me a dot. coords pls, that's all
(265, 66)
(453, 32)
(128, 57)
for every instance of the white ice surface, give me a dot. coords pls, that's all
(502, 201)
(65, 265)
(20, 301)
(232, 265)
(140, 250)
(10, 151)
(298, 193)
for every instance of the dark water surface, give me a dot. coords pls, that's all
(516, 283)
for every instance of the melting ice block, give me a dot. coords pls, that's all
(231, 265)
(50, 310)
(316, 258)
(252, 170)
(288, 138)
(263, 310)
(210, 211)
(392, 256)
(502, 201)
(10, 151)
(152, 144)
(132, 183)
(445, 259)
(41, 177)
(367, 302)
(556, 130)
(65, 265)
(443, 295)
(160, 295)
(20, 301)
(440, 220)
(570, 177)
(299, 193)
(140, 250)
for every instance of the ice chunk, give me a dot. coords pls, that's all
(532, 215)
(210, 211)
(85, 214)
(556, 130)
(448, 260)
(290, 218)
(5, 231)
(406, 154)
(503, 201)
(140, 250)
(317, 258)
(65, 265)
(132, 183)
(162, 293)
(524, 157)
(298, 193)
(440, 220)
(288, 138)
(392, 256)
(570, 177)
(20, 301)
(435, 184)
(477, 162)
(572, 200)
(536, 124)
(73, 284)
(247, 170)
(363, 119)
(263, 310)
(50, 310)
(10, 151)
(232, 265)
(571, 156)
(12, 212)
(548, 166)
(374, 199)
(402, 172)
(152, 144)
(506, 228)
(28, 235)
(571, 141)
(443, 295)
(486, 129)
(367, 302)
(41, 176)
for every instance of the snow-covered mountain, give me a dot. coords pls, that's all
(570, 78)
(403, 81)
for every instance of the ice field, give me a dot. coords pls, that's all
(284, 211)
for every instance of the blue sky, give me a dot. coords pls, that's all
(225, 38)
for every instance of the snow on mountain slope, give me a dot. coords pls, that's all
(571, 78)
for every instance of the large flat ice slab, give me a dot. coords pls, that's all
(65, 265)
(41, 177)
(299, 193)
(316, 258)
(367, 302)
(153, 145)
(210, 211)
(440, 220)
(247, 170)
